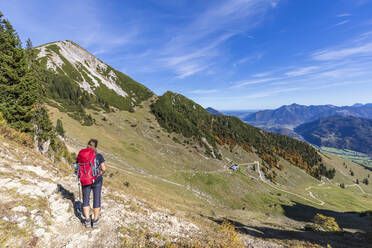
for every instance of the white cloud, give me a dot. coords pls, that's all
(250, 82)
(344, 15)
(186, 70)
(98, 52)
(203, 91)
(302, 71)
(195, 45)
(341, 23)
(338, 84)
(263, 74)
(268, 93)
(250, 59)
(337, 54)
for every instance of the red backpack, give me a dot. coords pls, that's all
(88, 167)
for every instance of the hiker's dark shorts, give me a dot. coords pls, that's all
(96, 187)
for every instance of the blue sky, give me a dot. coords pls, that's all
(229, 54)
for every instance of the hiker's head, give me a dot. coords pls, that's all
(93, 143)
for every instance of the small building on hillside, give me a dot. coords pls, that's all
(234, 167)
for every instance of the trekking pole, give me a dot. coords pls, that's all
(78, 181)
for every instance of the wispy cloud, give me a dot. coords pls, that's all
(257, 94)
(186, 64)
(341, 23)
(263, 74)
(249, 59)
(338, 84)
(81, 21)
(250, 82)
(302, 71)
(341, 53)
(344, 15)
(197, 43)
(98, 52)
(203, 91)
(268, 93)
(185, 70)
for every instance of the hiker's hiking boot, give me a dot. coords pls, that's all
(87, 222)
(95, 223)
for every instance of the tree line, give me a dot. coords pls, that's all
(21, 91)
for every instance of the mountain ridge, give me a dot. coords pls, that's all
(178, 114)
(342, 132)
(296, 114)
(67, 58)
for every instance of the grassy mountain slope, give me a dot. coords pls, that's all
(178, 114)
(164, 152)
(339, 132)
(171, 173)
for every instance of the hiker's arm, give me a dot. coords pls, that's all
(103, 166)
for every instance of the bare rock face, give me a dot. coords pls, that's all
(60, 53)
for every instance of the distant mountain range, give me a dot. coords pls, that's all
(242, 114)
(345, 127)
(339, 132)
(290, 116)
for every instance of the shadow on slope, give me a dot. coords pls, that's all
(298, 237)
(348, 220)
(77, 204)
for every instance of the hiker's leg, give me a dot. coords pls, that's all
(96, 213)
(97, 198)
(86, 196)
(86, 211)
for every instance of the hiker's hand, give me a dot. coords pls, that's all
(103, 167)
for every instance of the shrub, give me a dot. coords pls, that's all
(59, 128)
(3, 121)
(226, 237)
(324, 223)
(365, 181)
(176, 140)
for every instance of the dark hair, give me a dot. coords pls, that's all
(93, 141)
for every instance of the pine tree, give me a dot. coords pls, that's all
(59, 128)
(18, 87)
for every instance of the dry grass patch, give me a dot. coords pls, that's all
(14, 135)
(223, 236)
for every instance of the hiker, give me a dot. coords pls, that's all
(91, 166)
